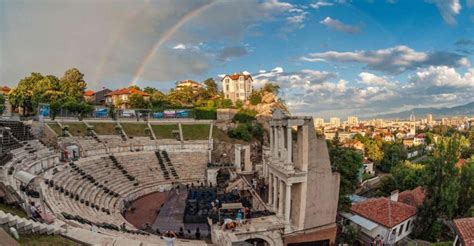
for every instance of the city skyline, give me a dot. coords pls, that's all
(391, 64)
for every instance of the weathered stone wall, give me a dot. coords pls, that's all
(45, 134)
(224, 152)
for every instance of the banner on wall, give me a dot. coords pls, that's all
(44, 110)
(101, 112)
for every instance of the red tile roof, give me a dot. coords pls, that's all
(465, 229)
(413, 197)
(127, 91)
(379, 209)
(5, 89)
(236, 76)
(460, 163)
(89, 93)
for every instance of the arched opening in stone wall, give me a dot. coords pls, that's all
(257, 242)
(223, 177)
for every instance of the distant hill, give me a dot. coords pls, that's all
(466, 109)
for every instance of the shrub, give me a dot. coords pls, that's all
(247, 132)
(245, 116)
(242, 132)
(205, 113)
(255, 98)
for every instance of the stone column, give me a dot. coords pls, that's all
(271, 140)
(276, 142)
(289, 143)
(287, 202)
(280, 198)
(237, 161)
(275, 192)
(247, 161)
(270, 190)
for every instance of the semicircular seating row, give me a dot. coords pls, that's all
(95, 189)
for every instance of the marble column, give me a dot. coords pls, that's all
(237, 158)
(271, 140)
(275, 142)
(287, 202)
(280, 198)
(275, 192)
(270, 189)
(289, 144)
(281, 143)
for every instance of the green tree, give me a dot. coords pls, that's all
(255, 98)
(2, 103)
(408, 175)
(441, 189)
(466, 190)
(211, 86)
(387, 185)
(138, 101)
(73, 84)
(22, 95)
(373, 151)
(394, 153)
(150, 90)
(271, 87)
(348, 163)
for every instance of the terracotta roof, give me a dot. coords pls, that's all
(5, 89)
(465, 229)
(236, 76)
(460, 163)
(379, 209)
(127, 91)
(89, 93)
(189, 81)
(413, 197)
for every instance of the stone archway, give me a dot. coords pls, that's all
(222, 177)
(257, 242)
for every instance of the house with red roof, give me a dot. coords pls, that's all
(4, 90)
(88, 95)
(120, 98)
(188, 84)
(237, 86)
(464, 232)
(385, 220)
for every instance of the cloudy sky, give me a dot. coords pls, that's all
(330, 57)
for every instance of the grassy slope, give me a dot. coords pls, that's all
(56, 128)
(13, 210)
(77, 128)
(196, 131)
(134, 129)
(43, 240)
(103, 128)
(164, 131)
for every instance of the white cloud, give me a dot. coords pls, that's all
(448, 9)
(180, 47)
(339, 26)
(393, 60)
(320, 4)
(324, 93)
(442, 77)
(374, 80)
(124, 34)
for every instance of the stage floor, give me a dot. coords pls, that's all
(172, 212)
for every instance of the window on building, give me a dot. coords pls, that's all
(400, 230)
(227, 81)
(236, 87)
(408, 225)
(236, 94)
(227, 87)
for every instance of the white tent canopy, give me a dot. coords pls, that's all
(24, 177)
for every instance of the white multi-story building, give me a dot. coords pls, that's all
(352, 121)
(334, 121)
(318, 122)
(237, 86)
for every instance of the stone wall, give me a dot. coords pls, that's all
(226, 114)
